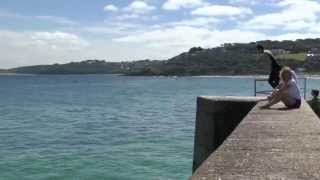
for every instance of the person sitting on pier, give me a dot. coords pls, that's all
(287, 91)
(315, 102)
(275, 67)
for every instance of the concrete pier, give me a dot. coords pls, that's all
(235, 139)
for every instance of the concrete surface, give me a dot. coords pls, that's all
(267, 144)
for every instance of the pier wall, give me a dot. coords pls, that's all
(235, 139)
(216, 118)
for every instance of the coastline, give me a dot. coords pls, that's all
(312, 76)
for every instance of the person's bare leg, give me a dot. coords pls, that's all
(274, 93)
(275, 99)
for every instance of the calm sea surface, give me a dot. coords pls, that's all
(103, 126)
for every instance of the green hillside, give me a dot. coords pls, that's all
(227, 59)
(295, 56)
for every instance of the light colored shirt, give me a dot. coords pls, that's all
(295, 77)
(293, 89)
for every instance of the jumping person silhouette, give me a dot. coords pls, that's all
(274, 78)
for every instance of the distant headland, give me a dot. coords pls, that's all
(302, 55)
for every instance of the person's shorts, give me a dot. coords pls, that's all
(296, 104)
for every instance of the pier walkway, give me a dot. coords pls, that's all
(235, 139)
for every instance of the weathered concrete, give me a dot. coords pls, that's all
(267, 144)
(216, 119)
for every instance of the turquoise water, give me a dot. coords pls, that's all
(103, 126)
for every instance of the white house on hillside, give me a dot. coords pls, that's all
(313, 52)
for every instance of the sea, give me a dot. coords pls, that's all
(105, 127)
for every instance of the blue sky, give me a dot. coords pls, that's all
(58, 31)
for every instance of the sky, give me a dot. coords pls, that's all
(36, 32)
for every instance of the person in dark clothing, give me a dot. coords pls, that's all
(274, 78)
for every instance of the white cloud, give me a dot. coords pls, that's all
(200, 21)
(177, 4)
(298, 2)
(57, 19)
(25, 48)
(126, 35)
(139, 7)
(298, 25)
(57, 40)
(295, 15)
(111, 8)
(174, 40)
(46, 40)
(34, 48)
(247, 2)
(118, 28)
(222, 10)
(140, 17)
(127, 16)
(315, 28)
(294, 36)
(46, 18)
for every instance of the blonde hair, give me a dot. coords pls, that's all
(286, 71)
